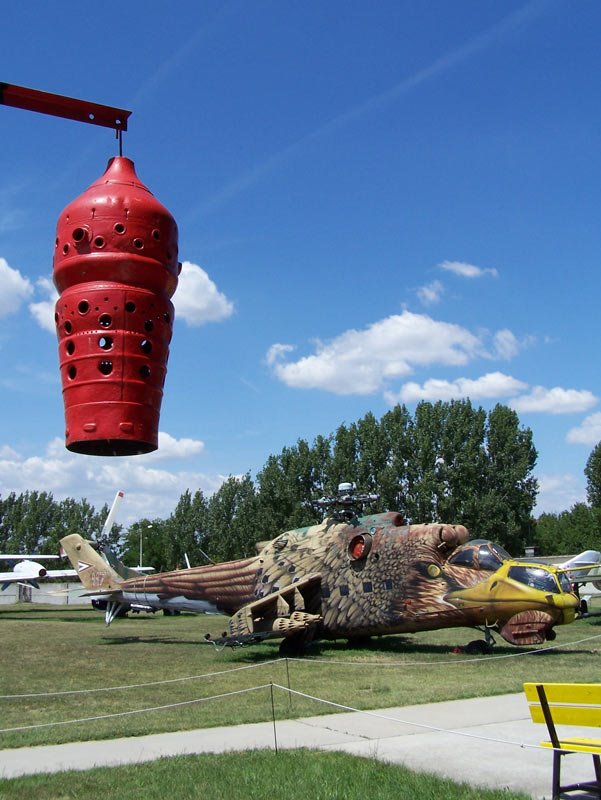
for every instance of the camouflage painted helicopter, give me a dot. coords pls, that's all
(351, 577)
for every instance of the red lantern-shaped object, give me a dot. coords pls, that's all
(116, 268)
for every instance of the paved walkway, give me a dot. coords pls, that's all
(481, 741)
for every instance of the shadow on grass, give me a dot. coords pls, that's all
(116, 640)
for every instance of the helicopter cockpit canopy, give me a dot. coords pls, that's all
(479, 554)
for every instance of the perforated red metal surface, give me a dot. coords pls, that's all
(116, 268)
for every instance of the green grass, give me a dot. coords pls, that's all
(258, 775)
(47, 649)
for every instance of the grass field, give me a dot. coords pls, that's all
(255, 775)
(160, 661)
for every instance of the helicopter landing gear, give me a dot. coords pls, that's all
(294, 645)
(479, 647)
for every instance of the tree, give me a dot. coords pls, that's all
(232, 520)
(509, 488)
(593, 477)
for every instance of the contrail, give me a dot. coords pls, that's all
(475, 45)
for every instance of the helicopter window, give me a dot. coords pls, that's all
(463, 558)
(479, 554)
(535, 577)
(488, 557)
(564, 582)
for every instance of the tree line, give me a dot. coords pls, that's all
(449, 461)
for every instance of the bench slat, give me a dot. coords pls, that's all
(577, 745)
(569, 715)
(566, 692)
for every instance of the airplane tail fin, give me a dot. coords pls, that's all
(93, 571)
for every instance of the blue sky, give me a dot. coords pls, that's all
(377, 202)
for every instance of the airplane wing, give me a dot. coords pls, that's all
(26, 571)
(24, 556)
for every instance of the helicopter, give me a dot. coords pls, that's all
(351, 576)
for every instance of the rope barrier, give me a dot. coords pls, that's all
(137, 685)
(377, 715)
(481, 659)
(134, 711)
(304, 695)
(455, 661)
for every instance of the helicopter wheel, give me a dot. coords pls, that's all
(293, 645)
(478, 647)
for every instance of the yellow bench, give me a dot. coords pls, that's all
(568, 704)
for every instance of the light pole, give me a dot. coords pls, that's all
(141, 538)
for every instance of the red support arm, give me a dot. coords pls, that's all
(66, 107)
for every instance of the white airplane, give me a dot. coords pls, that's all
(28, 571)
(585, 568)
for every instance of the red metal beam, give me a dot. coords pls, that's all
(66, 107)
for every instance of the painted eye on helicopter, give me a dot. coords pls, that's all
(359, 546)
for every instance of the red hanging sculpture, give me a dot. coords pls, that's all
(116, 268)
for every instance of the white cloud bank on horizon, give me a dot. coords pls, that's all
(150, 491)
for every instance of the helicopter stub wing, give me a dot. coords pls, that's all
(288, 611)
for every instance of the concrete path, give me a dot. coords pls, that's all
(482, 741)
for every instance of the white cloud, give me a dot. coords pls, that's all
(197, 299)
(505, 344)
(589, 432)
(43, 312)
(557, 493)
(363, 361)
(171, 448)
(278, 351)
(554, 401)
(491, 385)
(14, 289)
(431, 293)
(464, 270)
(149, 492)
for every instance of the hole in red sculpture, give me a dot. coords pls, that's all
(105, 342)
(119, 227)
(99, 242)
(70, 348)
(68, 327)
(105, 320)
(130, 307)
(71, 372)
(146, 345)
(138, 244)
(145, 371)
(83, 307)
(106, 367)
